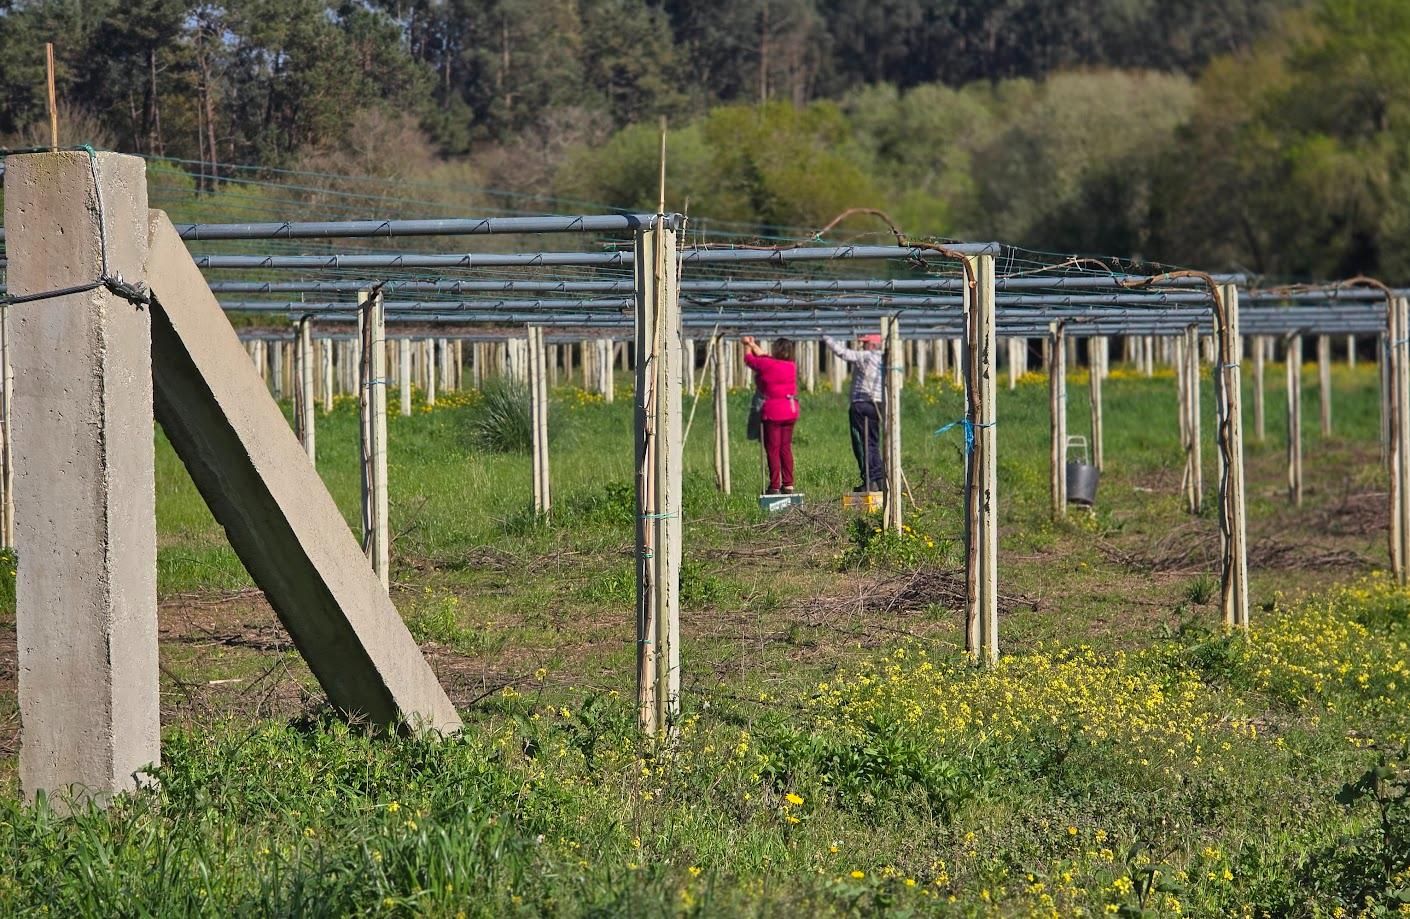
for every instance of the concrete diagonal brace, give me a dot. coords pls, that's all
(280, 519)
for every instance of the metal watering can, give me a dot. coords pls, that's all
(1081, 476)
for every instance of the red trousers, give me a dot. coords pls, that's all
(778, 447)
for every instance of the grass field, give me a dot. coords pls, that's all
(837, 755)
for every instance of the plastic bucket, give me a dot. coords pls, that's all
(1081, 476)
(1082, 484)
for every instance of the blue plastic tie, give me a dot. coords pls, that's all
(969, 427)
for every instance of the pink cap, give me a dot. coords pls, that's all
(871, 339)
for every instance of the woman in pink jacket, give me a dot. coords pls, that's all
(776, 377)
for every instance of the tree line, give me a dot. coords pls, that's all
(257, 80)
(1264, 135)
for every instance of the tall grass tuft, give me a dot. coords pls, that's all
(502, 423)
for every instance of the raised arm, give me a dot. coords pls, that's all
(842, 351)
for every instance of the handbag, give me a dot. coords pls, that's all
(754, 426)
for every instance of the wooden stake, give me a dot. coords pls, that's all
(372, 403)
(1396, 361)
(658, 478)
(428, 356)
(404, 376)
(985, 445)
(1232, 506)
(1324, 380)
(1383, 361)
(1401, 489)
(538, 413)
(1096, 350)
(7, 462)
(894, 362)
(1260, 353)
(721, 402)
(325, 358)
(1194, 449)
(303, 392)
(53, 96)
(1294, 383)
(1351, 352)
(1057, 418)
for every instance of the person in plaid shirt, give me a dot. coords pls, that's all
(864, 415)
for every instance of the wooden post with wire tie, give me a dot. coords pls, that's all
(303, 391)
(372, 405)
(981, 468)
(658, 459)
(1233, 510)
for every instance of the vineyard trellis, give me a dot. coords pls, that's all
(655, 292)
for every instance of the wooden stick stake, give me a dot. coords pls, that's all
(1294, 383)
(894, 362)
(1400, 307)
(1194, 450)
(372, 400)
(1232, 505)
(1096, 350)
(721, 402)
(985, 440)
(538, 413)
(1260, 354)
(1324, 380)
(53, 96)
(7, 462)
(1057, 418)
(303, 392)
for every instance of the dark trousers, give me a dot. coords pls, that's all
(865, 421)
(778, 447)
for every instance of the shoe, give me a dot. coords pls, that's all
(787, 490)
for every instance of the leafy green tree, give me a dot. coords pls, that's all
(630, 60)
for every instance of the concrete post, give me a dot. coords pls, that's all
(279, 517)
(85, 504)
